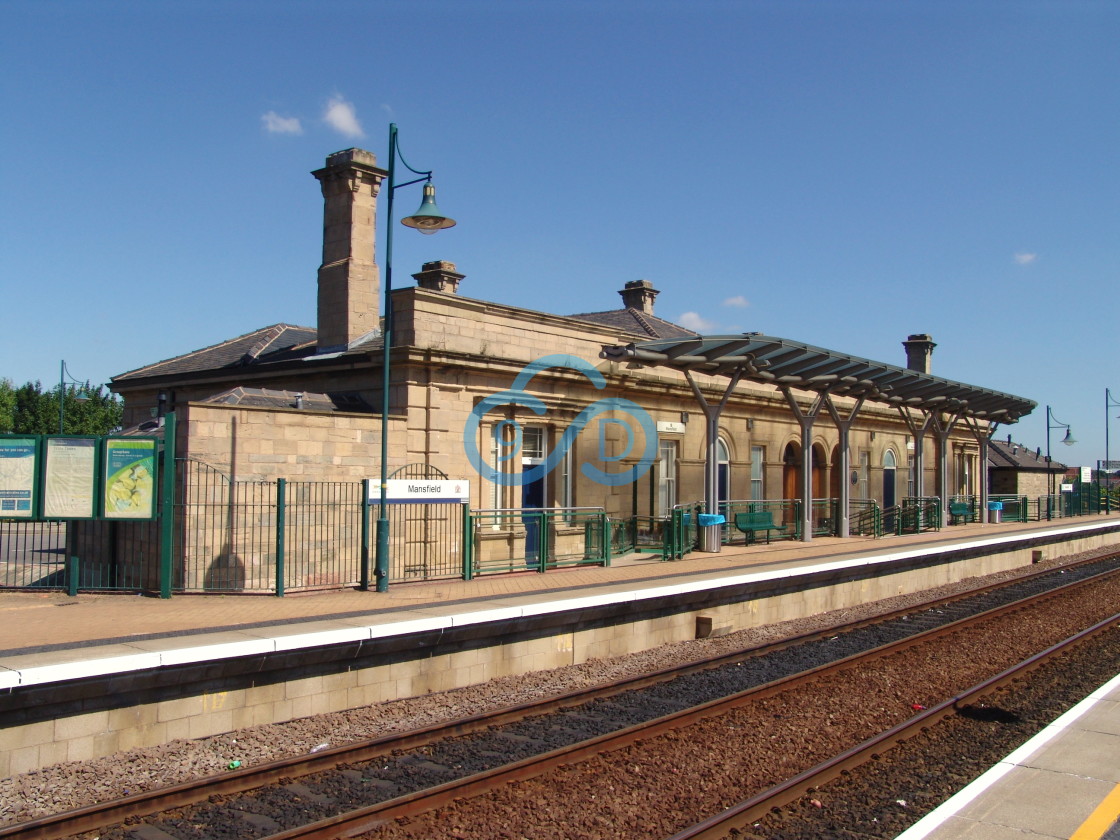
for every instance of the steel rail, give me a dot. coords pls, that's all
(365, 819)
(748, 811)
(147, 803)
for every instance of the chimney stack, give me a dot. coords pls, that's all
(349, 282)
(639, 295)
(439, 276)
(919, 348)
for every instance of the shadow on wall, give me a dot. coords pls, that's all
(226, 572)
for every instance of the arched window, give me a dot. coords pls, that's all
(889, 464)
(723, 471)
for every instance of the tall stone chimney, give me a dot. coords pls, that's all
(349, 282)
(919, 348)
(639, 294)
(439, 276)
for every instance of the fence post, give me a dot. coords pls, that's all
(281, 491)
(72, 568)
(607, 539)
(364, 585)
(167, 507)
(467, 551)
(542, 541)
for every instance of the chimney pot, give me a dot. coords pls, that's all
(919, 348)
(639, 295)
(439, 276)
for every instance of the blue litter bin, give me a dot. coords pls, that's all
(711, 531)
(995, 512)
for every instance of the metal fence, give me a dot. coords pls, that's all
(283, 536)
(505, 540)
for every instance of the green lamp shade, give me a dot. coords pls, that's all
(428, 219)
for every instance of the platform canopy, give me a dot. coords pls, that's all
(779, 361)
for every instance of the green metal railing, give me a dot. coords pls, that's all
(919, 513)
(1015, 508)
(283, 536)
(504, 540)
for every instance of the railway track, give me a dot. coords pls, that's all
(476, 749)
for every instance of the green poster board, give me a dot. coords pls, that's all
(70, 478)
(19, 470)
(129, 478)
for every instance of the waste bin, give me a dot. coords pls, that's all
(711, 531)
(995, 512)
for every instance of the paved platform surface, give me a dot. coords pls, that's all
(1064, 783)
(41, 621)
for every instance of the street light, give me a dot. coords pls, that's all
(1109, 402)
(427, 220)
(64, 377)
(1067, 440)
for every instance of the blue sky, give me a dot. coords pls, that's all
(839, 173)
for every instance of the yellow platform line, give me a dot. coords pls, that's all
(1101, 819)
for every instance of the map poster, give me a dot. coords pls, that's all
(130, 478)
(19, 459)
(70, 478)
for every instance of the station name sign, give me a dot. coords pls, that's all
(422, 491)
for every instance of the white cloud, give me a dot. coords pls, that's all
(276, 124)
(737, 301)
(693, 321)
(1025, 259)
(341, 117)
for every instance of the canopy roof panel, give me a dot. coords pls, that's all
(781, 362)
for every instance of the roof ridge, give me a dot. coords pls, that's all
(640, 318)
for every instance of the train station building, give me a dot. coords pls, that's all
(616, 409)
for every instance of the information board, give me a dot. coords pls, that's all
(19, 466)
(70, 478)
(129, 478)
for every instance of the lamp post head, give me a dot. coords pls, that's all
(1068, 439)
(428, 219)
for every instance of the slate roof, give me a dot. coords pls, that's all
(307, 400)
(1006, 455)
(286, 342)
(276, 343)
(633, 321)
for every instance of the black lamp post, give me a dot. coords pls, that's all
(427, 220)
(64, 378)
(1068, 440)
(1109, 403)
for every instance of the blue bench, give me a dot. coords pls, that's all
(760, 520)
(959, 510)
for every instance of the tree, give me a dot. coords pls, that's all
(87, 410)
(7, 406)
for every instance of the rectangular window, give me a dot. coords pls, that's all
(758, 457)
(864, 488)
(667, 477)
(910, 477)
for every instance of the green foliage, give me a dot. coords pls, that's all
(7, 406)
(29, 410)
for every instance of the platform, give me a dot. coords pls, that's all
(1063, 783)
(98, 673)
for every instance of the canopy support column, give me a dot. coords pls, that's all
(918, 432)
(844, 427)
(806, 419)
(944, 427)
(711, 426)
(983, 437)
